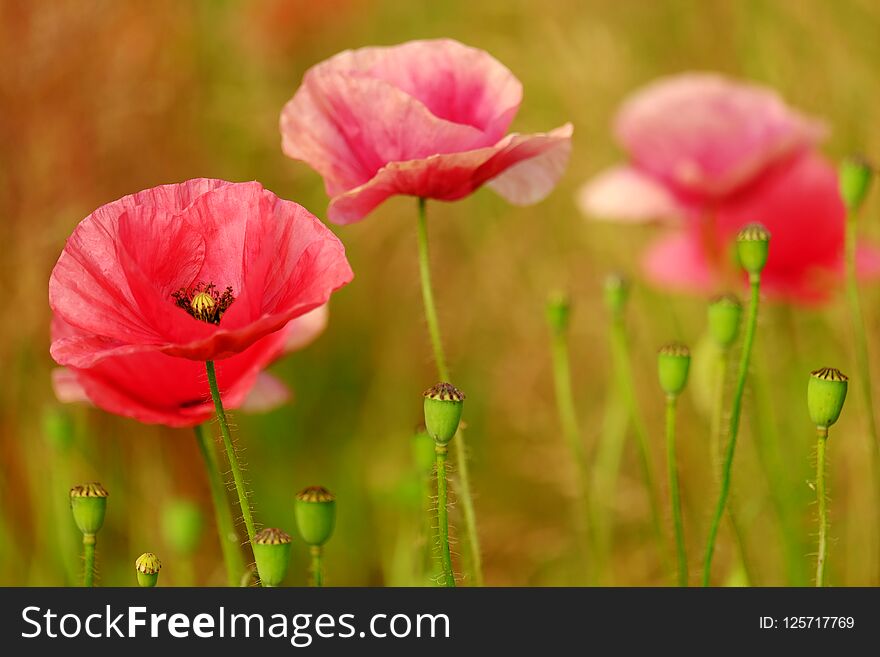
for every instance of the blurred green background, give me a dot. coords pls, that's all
(104, 98)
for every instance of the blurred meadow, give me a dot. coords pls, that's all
(104, 98)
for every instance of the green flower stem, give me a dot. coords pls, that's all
(565, 407)
(862, 358)
(626, 387)
(736, 409)
(229, 541)
(317, 554)
(464, 488)
(230, 452)
(443, 517)
(89, 559)
(823, 506)
(675, 492)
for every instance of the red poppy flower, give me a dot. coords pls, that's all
(425, 118)
(710, 155)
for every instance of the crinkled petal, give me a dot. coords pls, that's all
(707, 134)
(627, 195)
(453, 176)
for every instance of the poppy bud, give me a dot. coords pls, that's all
(725, 313)
(315, 510)
(88, 503)
(272, 552)
(673, 362)
(423, 452)
(147, 567)
(616, 293)
(182, 523)
(855, 175)
(753, 247)
(558, 312)
(826, 393)
(443, 406)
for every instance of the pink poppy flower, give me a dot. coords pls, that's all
(425, 118)
(202, 270)
(709, 155)
(158, 389)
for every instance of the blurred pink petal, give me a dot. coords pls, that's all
(677, 262)
(624, 194)
(706, 134)
(868, 261)
(305, 329)
(268, 393)
(425, 118)
(66, 387)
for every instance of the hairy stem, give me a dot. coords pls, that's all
(675, 492)
(823, 507)
(472, 537)
(443, 517)
(89, 560)
(237, 477)
(229, 542)
(736, 409)
(317, 567)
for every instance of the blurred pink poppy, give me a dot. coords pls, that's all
(425, 118)
(155, 388)
(709, 155)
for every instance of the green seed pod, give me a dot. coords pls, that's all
(315, 510)
(182, 523)
(753, 247)
(826, 393)
(58, 427)
(423, 452)
(855, 175)
(558, 312)
(147, 567)
(725, 314)
(616, 293)
(89, 503)
(443, 406)
(272, 552)
(673, 363)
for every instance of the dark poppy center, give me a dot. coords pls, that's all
(204, 302)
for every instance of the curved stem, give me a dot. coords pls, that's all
(230, 452)
(443, 517)
(229, 541)
(674, 492)
(623, 367)
(823, 506)
(862, 357)
(464, 490)
(89, 560)
(565, 407)
(317, 566)
(736, 408)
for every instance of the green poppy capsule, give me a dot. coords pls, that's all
(89, 504)
(855, 176)
(558, 312)
(443, 406)
(673, 363)
(315, 510)
(147, 567)
(753, 248)
(826, 392)
(616, 293)
(272, 554)
(725, 315)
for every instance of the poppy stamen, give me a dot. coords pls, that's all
(204, 302)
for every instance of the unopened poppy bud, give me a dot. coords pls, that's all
(753, 247)
(558, 312)
(315, 511)
(855, 175)
(673, 363)
(89, 504)
(182, 523)
(826, 393)
(443, 406)
(616, 293)
(725, 314)
(272, 553)
(423, 452)
(147, 567)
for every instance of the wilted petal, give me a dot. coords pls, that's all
(625, 194)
